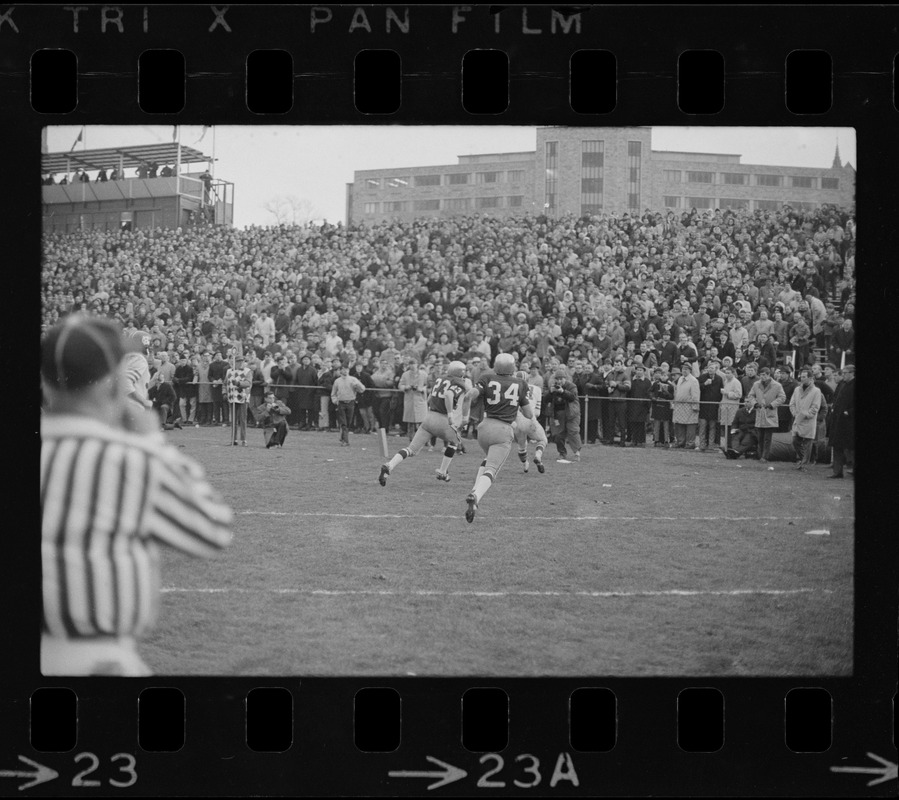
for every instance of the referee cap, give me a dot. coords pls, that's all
(80, 351)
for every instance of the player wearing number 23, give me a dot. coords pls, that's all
(444, 416)
(503, 395)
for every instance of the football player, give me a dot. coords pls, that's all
(445, 407)
(137, 369)
(503, 394)
(530, 430)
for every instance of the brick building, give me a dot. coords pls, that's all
(588, 170)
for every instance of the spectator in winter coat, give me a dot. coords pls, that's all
(685, 408)
(711, 387)
(766, 395)
(565, 422)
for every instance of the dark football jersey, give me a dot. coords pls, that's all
(436, 401)
(503, 394)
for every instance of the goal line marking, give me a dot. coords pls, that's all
(520, 593)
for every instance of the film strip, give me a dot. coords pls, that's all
(357, 729)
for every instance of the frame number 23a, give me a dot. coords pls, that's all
(527, 771)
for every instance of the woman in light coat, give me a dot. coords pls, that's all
(731, 395)
(414, 384)
(685, 408)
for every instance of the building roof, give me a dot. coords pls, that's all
(110, 157)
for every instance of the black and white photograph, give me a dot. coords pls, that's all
(439, 401)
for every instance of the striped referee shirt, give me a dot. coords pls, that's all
(109, 498)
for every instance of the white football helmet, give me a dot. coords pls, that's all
(504, 364)
(455, 369)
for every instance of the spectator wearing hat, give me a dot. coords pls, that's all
(766, 395)
(238, 383)
(842, 422)
(685, 408)
(565, 421)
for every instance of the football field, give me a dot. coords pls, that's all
(634, 562)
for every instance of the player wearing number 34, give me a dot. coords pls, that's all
(446, 412)
(503, 395)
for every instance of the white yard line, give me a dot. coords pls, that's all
(525, 519)
(471, 593)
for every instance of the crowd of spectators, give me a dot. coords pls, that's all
(612, 304)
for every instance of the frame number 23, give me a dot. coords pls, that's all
(123, 765)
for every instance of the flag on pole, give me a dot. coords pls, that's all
(203, 135)
(80, 137)
(175, 133)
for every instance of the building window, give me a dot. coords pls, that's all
(671, 201)
(486, 177)
(372, 183)
(457, 203)
(458, 178)
(830, 183)
(767, 205)
(734, 178)
(802, 182)
(371, 208)
(672, 175)
(700, 177)
(515, 176)
(552, 175)
(516, 201)
(769, 180)
(592, 162)
(733, 202)
(427, 180)
(397, 183)
(395, 205)
(427, 205)
(486, 202)
(593, 154)
(634, 164)
(699, 202)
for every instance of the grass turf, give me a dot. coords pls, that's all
(633, 562)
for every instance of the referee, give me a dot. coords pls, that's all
(112, 492)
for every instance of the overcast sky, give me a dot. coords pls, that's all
(314, 163)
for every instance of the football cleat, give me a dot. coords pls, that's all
(527, 465)
(472, 507)
(442, 476)
(540, 468)
(382, 478)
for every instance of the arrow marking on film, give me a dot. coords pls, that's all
(448, 774)
(887, 772)
(42, 775)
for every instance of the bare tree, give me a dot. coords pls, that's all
(291, 210)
